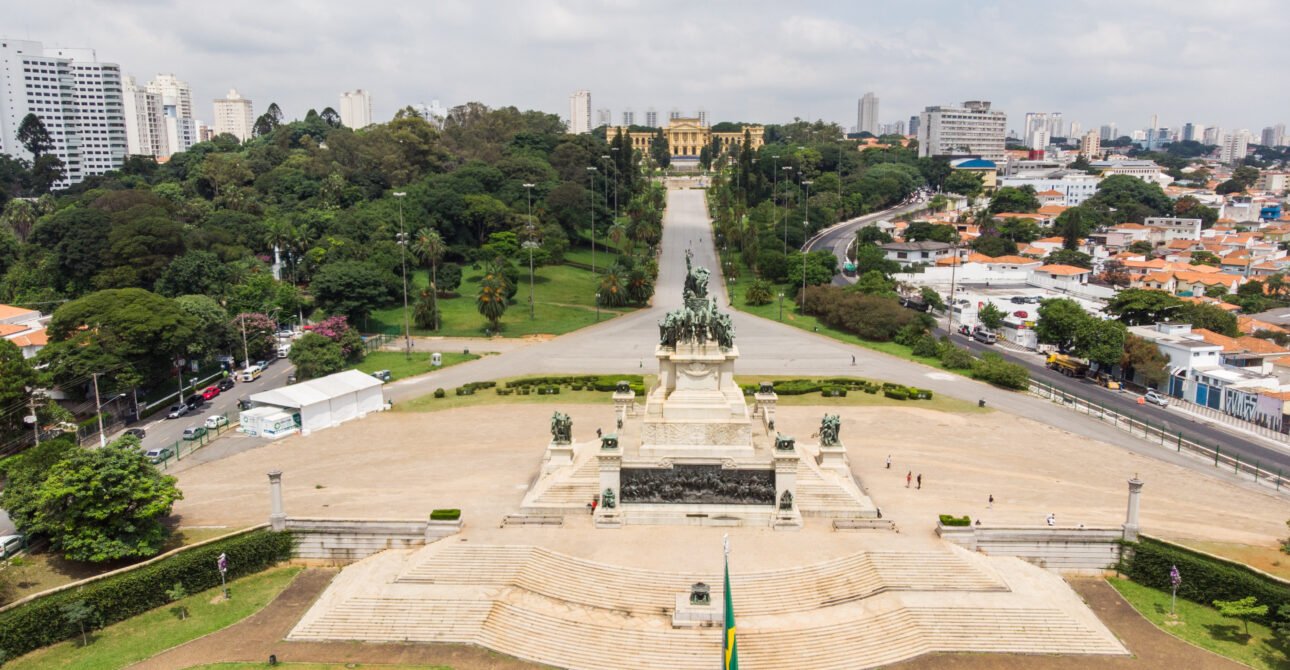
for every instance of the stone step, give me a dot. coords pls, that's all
(389, 619)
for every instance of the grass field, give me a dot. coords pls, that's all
(133, 640)
(401, 365)
(564, 301)
(1205, 627)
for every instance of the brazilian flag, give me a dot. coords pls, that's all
(728, 643)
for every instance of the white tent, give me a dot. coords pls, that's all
(326, 401)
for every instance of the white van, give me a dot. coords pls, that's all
(284, 350)
(251, 374)
(10, 545)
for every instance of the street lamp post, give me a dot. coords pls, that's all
(788, 169)
(781, 306)
(98, 409)
(616, 173)
(591, 188)
(403, 260)
(774, 192)
(805, 224)
(806, 214)
(530, 243)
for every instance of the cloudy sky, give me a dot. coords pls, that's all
(1096, 61)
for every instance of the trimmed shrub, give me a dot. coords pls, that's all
(951, 520)
(927, 347)
(445, 514)
(38, 623)
(956, 358)
(1204, 578)
(897, 393)
(439, 393)
(992, 368)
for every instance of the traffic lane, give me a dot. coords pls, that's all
(1126, 403)
(163, 432)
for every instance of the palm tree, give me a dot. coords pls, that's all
(428, 247)
(491, 301)
(20, 216)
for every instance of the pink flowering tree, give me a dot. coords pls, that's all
(261, 341)
(337, 329)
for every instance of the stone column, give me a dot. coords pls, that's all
(765, 400)
(277, 517)
(785, 462)
(1131, 516)
(610, 462)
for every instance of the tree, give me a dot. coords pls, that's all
(990, 316)
(1143, 358)
(759, 292)
(1011, 199)
(105, 504)
(1209, 317)
(1074, 225)
(316, 356)
(931, 298)
(491, 300)
(428, 246)
(964, 182)
(330, 117)
(1100, 341)
(1205, 258)
(1244, 609)
(257, 331)
(79, 616)
(1126, 198)
(1216, 291)
(993, 246)
(426, 311)
(34, 137)
(351, 288)
(936, 232)
(210, 322)
(17, 379)
(176, 593)
(449, 278)
(1138, 306)
(196, 272)
(1142, 247)
(993, 369)
(871, 235)
(1190, 207)
(1071, 257)
(1060, 321)
(659, 150)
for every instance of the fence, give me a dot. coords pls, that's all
(1166, 439)
(181, 448)
(1236, 422)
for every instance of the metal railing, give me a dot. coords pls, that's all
(1158, 434)
(1234, 421)
(181, 448)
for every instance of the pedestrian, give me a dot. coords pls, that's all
(990, 505)
(908, 476)
(853, 359)
(597, 432)
(1052, 519)
(594, 504)
(888, 461)
(920, 481)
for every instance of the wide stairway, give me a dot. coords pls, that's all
(860, 610)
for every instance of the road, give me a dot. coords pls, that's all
(837, 238)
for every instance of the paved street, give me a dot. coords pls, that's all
(837, 238)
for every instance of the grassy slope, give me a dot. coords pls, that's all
(400, 365)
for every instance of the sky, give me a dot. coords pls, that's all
(1095, 61)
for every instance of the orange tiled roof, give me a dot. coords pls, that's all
(9, 311)
(1049, 240)
(1050, 192)
(1052, 210)
(35, 338)
(7, 329)
(1062, 270)
(1202, 300)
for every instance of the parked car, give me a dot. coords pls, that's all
(1156, 398)
(383, 375)
(216, 421)
(286, 334)
(194, 432)
(263, 365)
(10, 545)
(984, 336)
(177, 411)
(194, 401)
(284, 350)
(965, 331)
(227, 383)
(137, 433)
(1018, 299)
(158, 454)
(210, 392)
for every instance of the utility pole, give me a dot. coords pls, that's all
(35, 419)
(788, 169)
(403, 260)
(98, 409)
(246, 352)
(591, 189)
(949, 311)
(804, 229)
(616, 173)
(774, 194)
(530, 243)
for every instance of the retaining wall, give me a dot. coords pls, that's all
(341, 541)
(1057, 549)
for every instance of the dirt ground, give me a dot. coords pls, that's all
(481, 459)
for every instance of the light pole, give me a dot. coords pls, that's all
(788, 169)
(530, 243)
(774, 192)
(949, 311)
(591, 188)
(98, 409)
(617, 172)
(403, 260)
(605, 158)
(805, 224)
(781, 306)
(806, 214)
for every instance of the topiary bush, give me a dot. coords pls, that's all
(439, 393)
(38, 623)
(951, 520)
(899, 393)
(445, 514)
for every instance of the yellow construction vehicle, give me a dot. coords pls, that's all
(1067, 365)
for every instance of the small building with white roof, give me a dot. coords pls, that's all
(313, 405)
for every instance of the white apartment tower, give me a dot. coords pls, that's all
(355, 109)
(629, 117)
(703, 118)
(233, 115)
(973, 129)
(604, 117)
(74, 95)
(1037, 131)
(1234, 147)
(867, 114)
(1055, 125)
(580, 112)
(177, 106)
(145, 121)
(1091, 146)
(651, 117)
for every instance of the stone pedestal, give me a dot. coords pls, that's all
(1131, 527)
(695, 615)
(558, 455)
(277, 516)
(834, 456)
(765, 407)
(696, 410)
(624, 405)
(787, 515)
(610, 462)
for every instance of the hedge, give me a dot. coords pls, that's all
(445, 514)
(40, 622)
(1204, 578)
(951, 520)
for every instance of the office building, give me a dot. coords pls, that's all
(867, 114)
(1274, 136)
(1108, 133)
(703, 117)
(177, 106)
(629, 117)
(1074, 133)
(1192, 132)
(355, 109)
(145, 121)
(75, 96)
(1056, 127)
(913, 125)
(1234, 147)
(580, 112)
(1090, 146)
(651, 118)
(1036, 131)
(971, 130)
(603, 117)
(233, 115)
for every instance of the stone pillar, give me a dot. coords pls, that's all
(610, 461)
(834, 456)
(786, 461)
(624, 404)
(1131, 516)
(558, 455)
(277, 517)
(765, 405)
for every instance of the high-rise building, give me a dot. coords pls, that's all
(233, 115)
(629, 117)
(75, 96)
(1273, 136)
(1192, 132)
(1091, 146)
(703, 117)
(355, 109)
(580, 112)
(867, 114)
(145, 121)
(1235, 146)
(1037, 133)
(651, 118)
(674, 114)
(177, 106)
(973, 129)
(1213, 135)
(434, 112)
(604, 117)
(913, 125)
(1108, 133)
(1056, 127)
(1075, 129)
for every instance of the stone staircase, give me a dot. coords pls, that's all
(390, 619)
(821, 494)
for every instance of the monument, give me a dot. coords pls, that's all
(695, 455)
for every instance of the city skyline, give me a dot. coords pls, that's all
(813, 63)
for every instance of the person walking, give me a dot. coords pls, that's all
(920, 480)
(990, 505)
(888, 461)
(1052, 519)
(908, 477)
(853, 359)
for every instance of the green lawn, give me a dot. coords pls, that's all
(400, 365)
(564, 301)
(605, 257)
(938, 402)
(133, 640)
(1205, 627)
